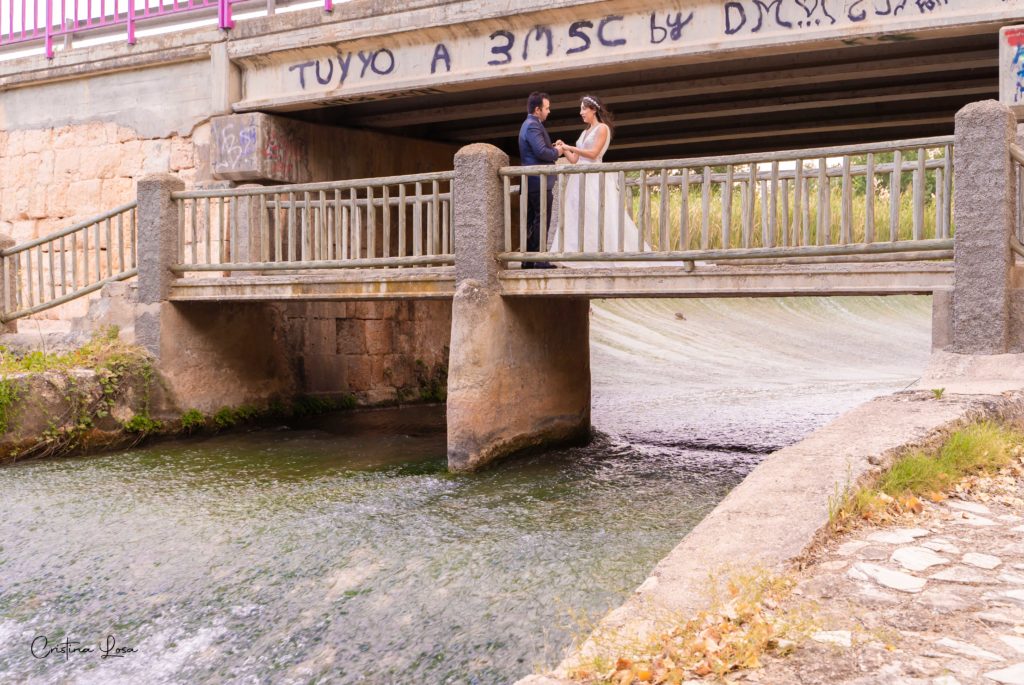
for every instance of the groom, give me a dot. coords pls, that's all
(535, 148)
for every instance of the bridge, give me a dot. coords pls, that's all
(227, 212)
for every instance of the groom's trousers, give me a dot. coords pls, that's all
(533, 219)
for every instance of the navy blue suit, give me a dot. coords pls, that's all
(535, 148)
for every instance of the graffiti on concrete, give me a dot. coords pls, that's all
(1013, 66)
(235, 141)
(679, 26)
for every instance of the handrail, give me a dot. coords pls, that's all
(68, 231)
(386, 222)
(314, 187)
(878, 193)
(69, 263)
(724, 160)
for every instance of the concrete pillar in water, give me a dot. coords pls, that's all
(985, 217)
(519, 369)
(210, 354)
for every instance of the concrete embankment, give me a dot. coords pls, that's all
(780, 510)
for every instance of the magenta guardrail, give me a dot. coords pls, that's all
(27, 21)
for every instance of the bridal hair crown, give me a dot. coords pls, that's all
(591, 101)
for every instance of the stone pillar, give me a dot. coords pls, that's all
(157, 251)
(8, 286)
(985, 216)
(519, 369)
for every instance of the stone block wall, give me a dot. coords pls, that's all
(51, 178)
(382, 351)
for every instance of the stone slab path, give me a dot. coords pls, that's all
(937, 599)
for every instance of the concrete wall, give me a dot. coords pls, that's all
(383, 351)
(268, 148)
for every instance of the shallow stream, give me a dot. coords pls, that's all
(340, 550)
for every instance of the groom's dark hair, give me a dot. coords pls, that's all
(535, 100)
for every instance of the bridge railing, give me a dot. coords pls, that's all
(880, 201)
(381, 222)
(70, 263)
(47, 21)
(1017, 161)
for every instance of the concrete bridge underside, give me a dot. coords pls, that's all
(885, 91)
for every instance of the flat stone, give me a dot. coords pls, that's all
(1019, 567)
(967, 649)
(897, 536)
(972, 507)
(1012, 578)
(969, 519)
(1014, 675)
(896, 580)
(1014, 642)
(840, 638)
(1010, 518)
(851, 547)
(874, 595)
(837, 565)
(960, 574)
(941, 545)
(1015, 596)
(945, 680)
(1018, 529)
(985, 561)
(917, 558)
(993, 618)
(945, 601)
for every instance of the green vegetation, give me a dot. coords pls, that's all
(938, 393)
(979, 448)
(192, 420)
(142, 424)
(9, 395)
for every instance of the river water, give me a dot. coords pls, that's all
(340, 550)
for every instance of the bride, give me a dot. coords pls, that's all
(590, 149)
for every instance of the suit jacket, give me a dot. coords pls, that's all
(535, 148)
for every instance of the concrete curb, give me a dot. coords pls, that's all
(779, 511)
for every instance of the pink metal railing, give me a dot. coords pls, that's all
(25, 21)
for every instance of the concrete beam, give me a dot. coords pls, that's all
(519, 372)
(684, 87)
(429, 283)
(899, 278)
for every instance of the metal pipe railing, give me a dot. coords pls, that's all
(48, 21)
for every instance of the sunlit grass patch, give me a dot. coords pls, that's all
(980, 448)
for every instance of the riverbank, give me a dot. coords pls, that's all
(781, 510)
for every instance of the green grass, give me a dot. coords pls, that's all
(981, 448)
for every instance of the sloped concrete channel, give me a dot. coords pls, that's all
(782, 507)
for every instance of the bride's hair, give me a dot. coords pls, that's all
(603, 115)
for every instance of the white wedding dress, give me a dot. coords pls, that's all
(591, 200)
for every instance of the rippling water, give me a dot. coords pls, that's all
(340, 550)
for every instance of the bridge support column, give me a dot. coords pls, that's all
(211, 354)
(519, 369)
(985, 217)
